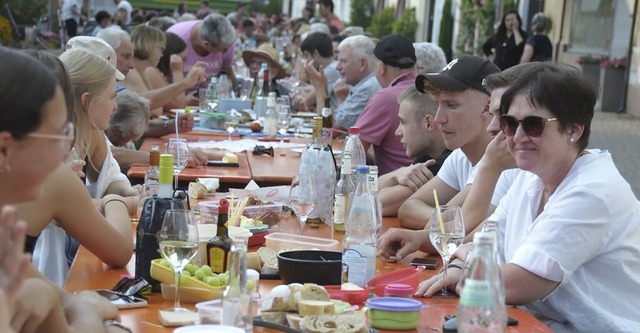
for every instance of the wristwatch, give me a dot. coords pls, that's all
(165, 124)
(115, 323)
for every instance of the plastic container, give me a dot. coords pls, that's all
(269, 214)
(212, 120)
(287, 242)
(201, 291)
(210, 312)
(350, 296)
(393, 313)
(409, 276)
(189, 294)
(226, 104)
(398, 290)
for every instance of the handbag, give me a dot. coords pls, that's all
(147, 232)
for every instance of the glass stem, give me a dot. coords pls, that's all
(303, 220)
(445, 261)
(175, 181)
(176, 303)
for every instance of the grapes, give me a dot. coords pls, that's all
(199, 274)
(207, 270)
(191, 268)
(165, 263)
(205, 275)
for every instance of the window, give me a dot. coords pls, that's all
(591, 26)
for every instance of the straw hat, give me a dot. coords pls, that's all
(268, 53)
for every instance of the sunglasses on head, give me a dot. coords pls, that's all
(533, 126)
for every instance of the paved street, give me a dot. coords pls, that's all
(620, 134)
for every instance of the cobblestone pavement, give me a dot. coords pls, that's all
(620, 135)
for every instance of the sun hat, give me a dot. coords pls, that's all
(463, 73)
(269, 54)
(98, 47)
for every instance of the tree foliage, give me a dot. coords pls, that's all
(361, 13)
(382, 23)
(445, 39)
(407, 24)
(474, 16)
(25, 12)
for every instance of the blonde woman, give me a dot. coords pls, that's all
(94, 86)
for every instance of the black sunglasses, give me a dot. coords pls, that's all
(533, 126)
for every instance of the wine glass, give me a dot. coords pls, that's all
(282, 124)
(303, 197)
(446, 233)
(178, 240)
(180, 151)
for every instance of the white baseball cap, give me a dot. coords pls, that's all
(98, 47)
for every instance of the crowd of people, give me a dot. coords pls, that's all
(505, 137)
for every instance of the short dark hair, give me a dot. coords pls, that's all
(101, 15)
(508, 76)
(327, 3)
(562, 90)
(174, 45)
(20, 113)
(318, 41)
(248, 23)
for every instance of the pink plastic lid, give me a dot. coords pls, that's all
(354, 130)
(398, 289)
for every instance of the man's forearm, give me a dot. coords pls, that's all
(477, 205)
(414, 214)
(388, 180)
(128, 157)
(392, 198)
(161, 96)
(158, 128)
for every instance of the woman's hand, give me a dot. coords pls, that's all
(401, 242)
(176, 63)
(36, 301)
(435, 283)
(14, 263)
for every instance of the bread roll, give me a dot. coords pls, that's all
(197, 191)
(173, 319)
(352, 322)
(306, 308)
(275, 317)
(294, 320)
(269, 260)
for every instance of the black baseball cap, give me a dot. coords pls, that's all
(460, 74)
(396, 51)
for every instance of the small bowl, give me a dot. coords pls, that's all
(319, 267)
(349, 296)
(393, 313)
(409, 276)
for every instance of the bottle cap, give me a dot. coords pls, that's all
(354, 130)
(154, 156)
(362, 169)
(483, 238)
(223, 206)
(166, 169)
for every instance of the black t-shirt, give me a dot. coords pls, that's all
(542, 48)
(439, 161)
(507, 53)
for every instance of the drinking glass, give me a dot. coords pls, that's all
(282, 124)
(178, 244)
(303, 197)
(283, 104)
(180, 151)
(446, 233)
(246, 88)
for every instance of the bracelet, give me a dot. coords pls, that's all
(119, 200)
(452, 266)
(111, 322)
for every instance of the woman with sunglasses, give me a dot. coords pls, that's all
(571, 223)
(64, 206)
(33, 142)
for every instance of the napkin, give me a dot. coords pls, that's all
(212, 184)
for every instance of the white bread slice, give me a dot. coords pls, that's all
(306, 292)
(197, 191)
(352, 322)
(307, 308)
(294, 320)
(173, 319)
(268, 260)
(279, 318)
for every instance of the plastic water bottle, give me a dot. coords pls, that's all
(482, 306)
(373, 188)
(224, 85)
(212, 90)
(271, 117)
(355, 148)
(237, 304)
(359, 254)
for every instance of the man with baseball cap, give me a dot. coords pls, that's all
(463, 116)
(395, 71)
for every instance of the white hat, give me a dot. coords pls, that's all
(98, 47)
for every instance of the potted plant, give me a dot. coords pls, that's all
(612, 83)
(591, 66)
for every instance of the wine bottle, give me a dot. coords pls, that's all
(219, 247)
(344, 190)
(152, 176)
(327, 118)
(165, 179)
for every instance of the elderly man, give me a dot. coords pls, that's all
(357, 69)
(209, 41)
(395, 71)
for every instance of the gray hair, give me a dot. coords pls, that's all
(163, 23)
(430, 58)
(421, 104)
(217, 30)
(540, 23)
(113, 37)
(359, 45)
(132, 116)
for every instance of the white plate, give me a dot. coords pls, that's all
(208, 328)
(304, 114)
(300, 150)
(193, 109)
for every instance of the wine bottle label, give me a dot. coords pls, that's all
(476, 293)
(339, 208)
(218, 260)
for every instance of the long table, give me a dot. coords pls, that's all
(88, 272)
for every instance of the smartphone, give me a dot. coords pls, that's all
(122, 301)
(222, 164)
(429, 263)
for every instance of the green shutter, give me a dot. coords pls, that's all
(224, 6)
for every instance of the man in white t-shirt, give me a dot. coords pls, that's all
(70, 15)
(126, 6)
(463, 116)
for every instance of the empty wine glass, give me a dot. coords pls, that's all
(282, 124)
(446, 233)
(303, 197)
(180, 151)
(178, 239)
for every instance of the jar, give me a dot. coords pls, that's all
(398, 290)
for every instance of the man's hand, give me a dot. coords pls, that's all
(316, 76)
(185, 122)
(416, 175)
(341, 89)
(89, 302)
(435, 283)
(36, 300)
(197, 157)
(401, 242)
(196, 74)
(497, 154)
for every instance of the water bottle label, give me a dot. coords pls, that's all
(476, 293)
(358, 265)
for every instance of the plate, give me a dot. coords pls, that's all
(193, 109)
(208, 328)
(305, 114)
(300, 150)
